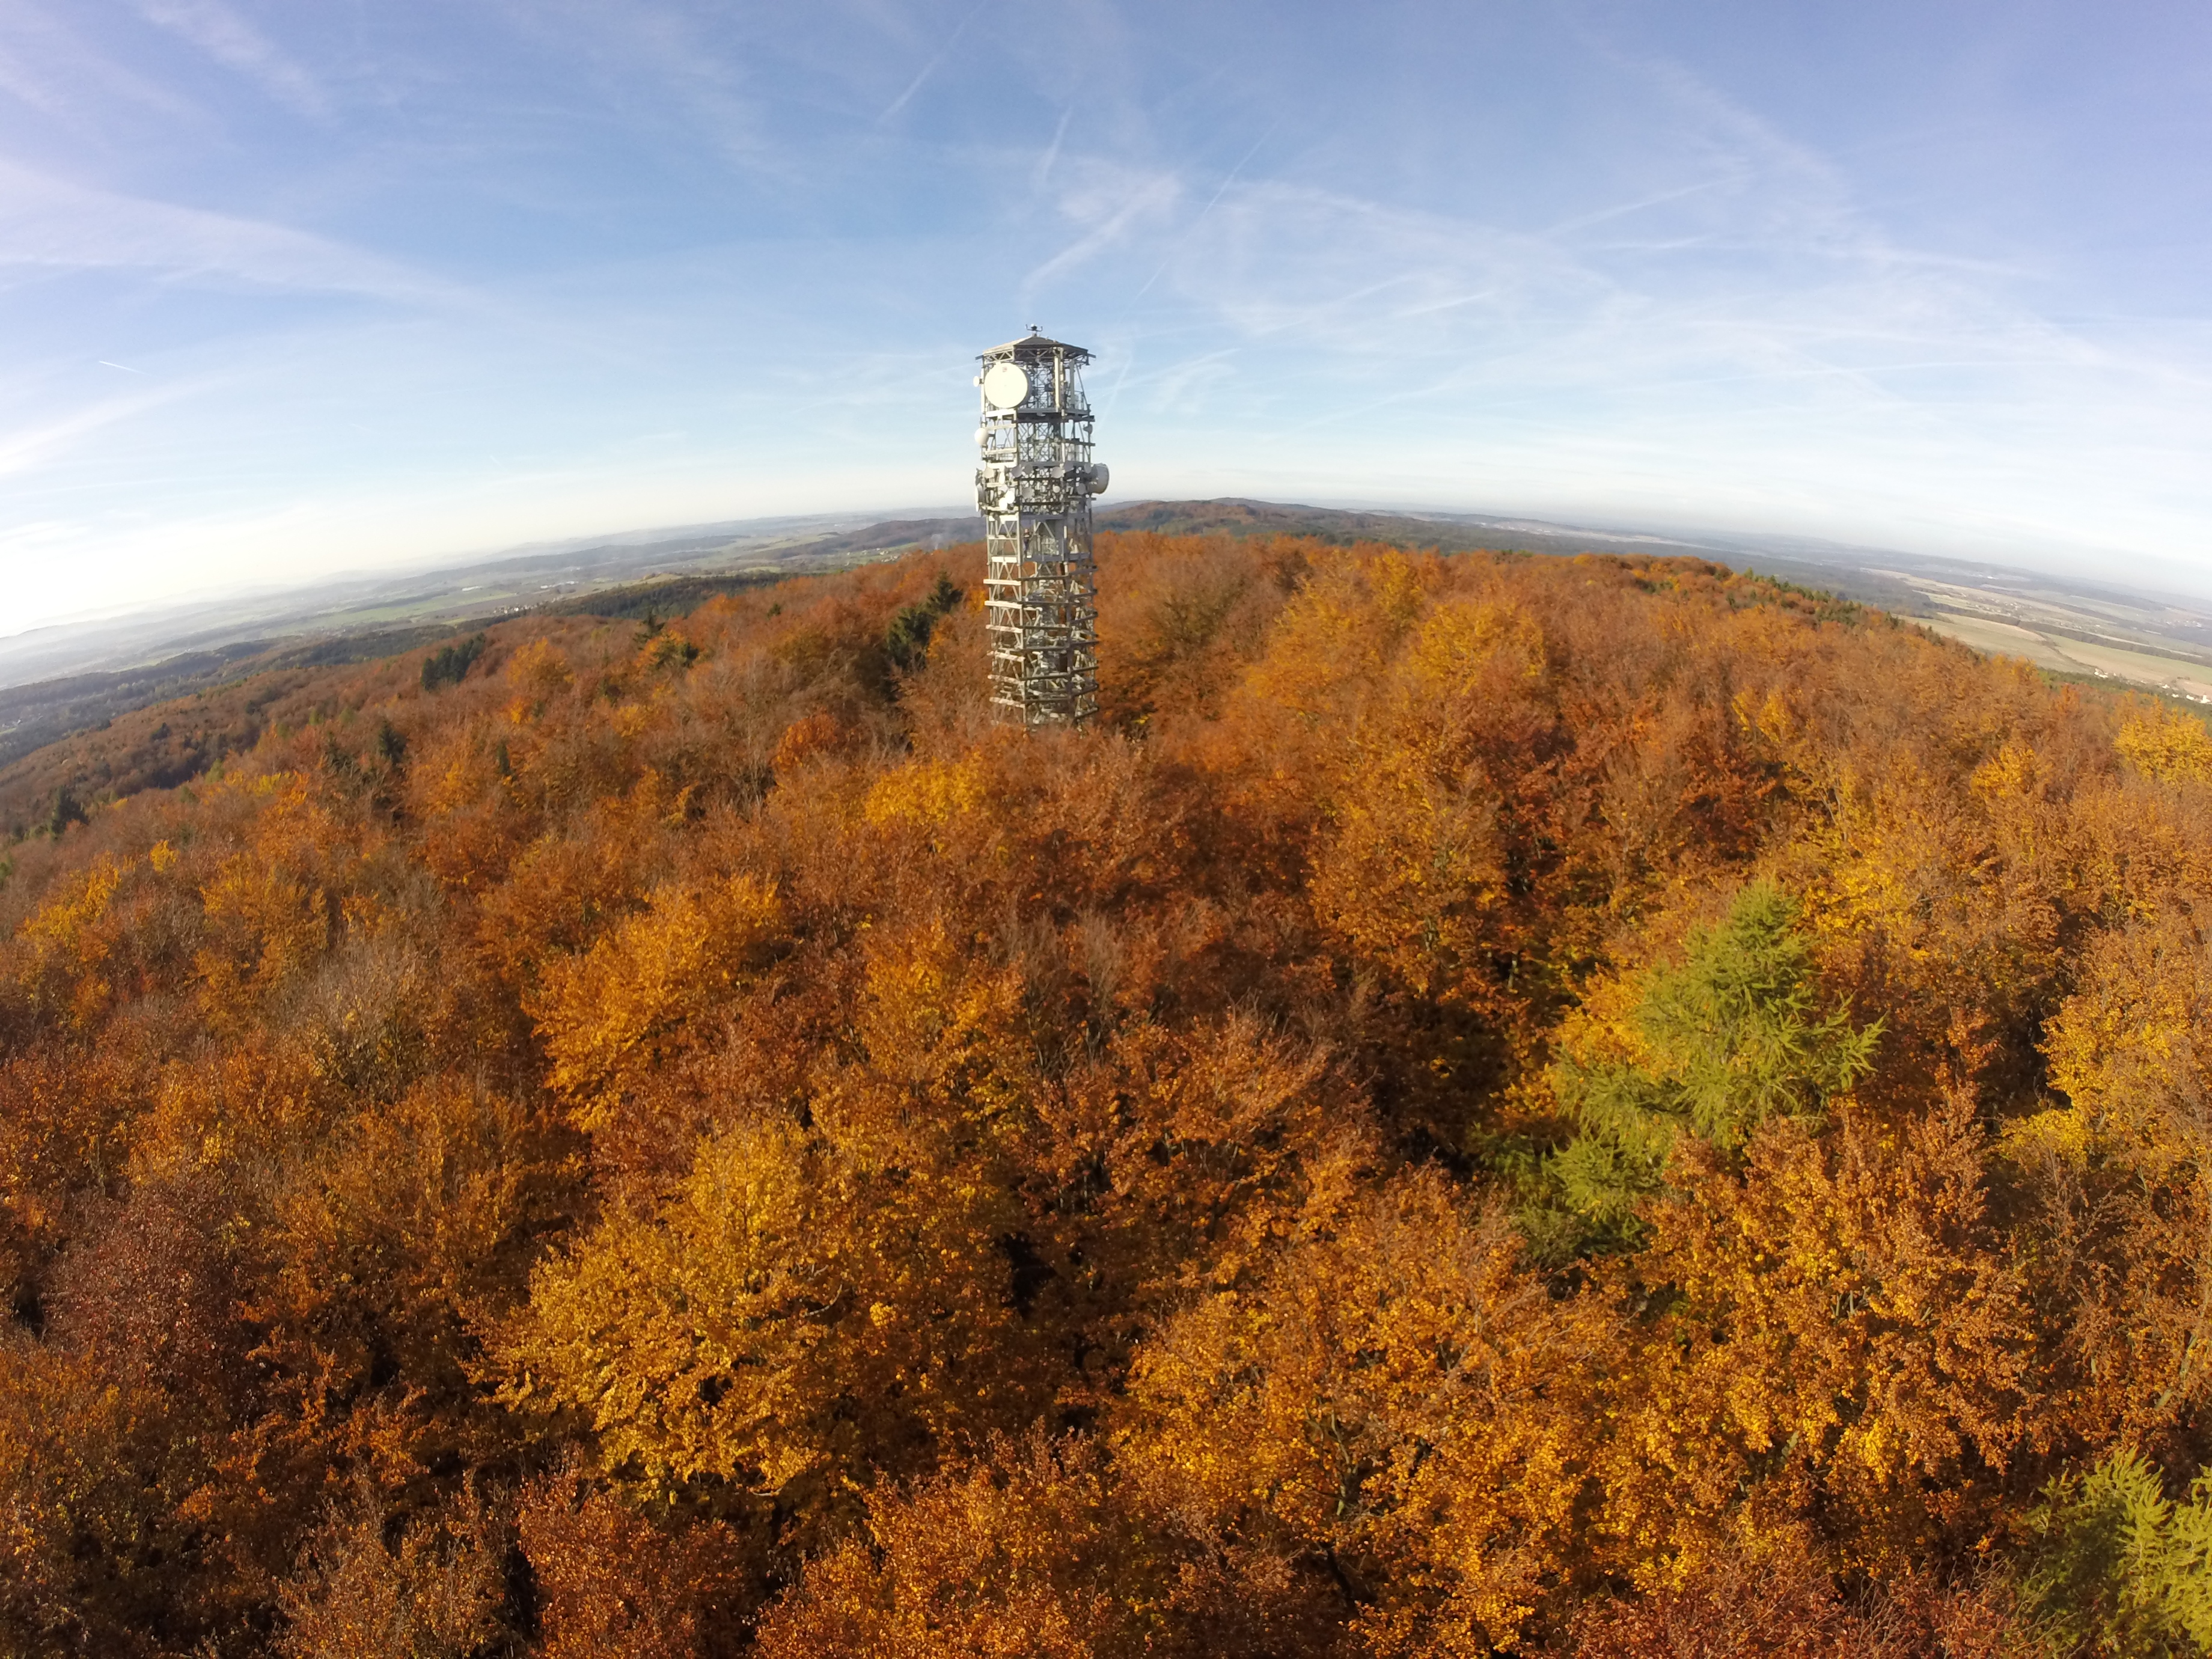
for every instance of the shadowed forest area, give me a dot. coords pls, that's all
(1493, 1105)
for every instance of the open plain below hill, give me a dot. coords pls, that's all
(2073, 629)
(1492, 1105)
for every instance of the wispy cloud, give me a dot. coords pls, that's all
(1197, 224)
(1770, 346)
(669, 74)
(220, 32)
(29, 446)
(1110, 203)
(1663, 198)
(48, 64)
(55, 223)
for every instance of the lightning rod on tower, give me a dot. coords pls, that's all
(1033, 487)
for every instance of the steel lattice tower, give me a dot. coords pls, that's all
(1034, 488)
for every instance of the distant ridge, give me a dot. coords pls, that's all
(1453, 532)
(55, 682)
(464, 591)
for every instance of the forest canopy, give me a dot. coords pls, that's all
(1491, 1104)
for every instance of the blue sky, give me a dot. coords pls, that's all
(287, 289)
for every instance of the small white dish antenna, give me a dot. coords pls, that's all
(1005, 385)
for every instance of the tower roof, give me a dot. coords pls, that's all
(1033, 346)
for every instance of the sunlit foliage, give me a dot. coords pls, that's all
(1493, 1105)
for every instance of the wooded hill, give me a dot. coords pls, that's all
(1495, 1104)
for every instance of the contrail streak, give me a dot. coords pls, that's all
(930, 68)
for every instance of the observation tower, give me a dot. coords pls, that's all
(1033, 487)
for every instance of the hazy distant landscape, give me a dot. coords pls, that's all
(462, 590)
(54, 681)
(60, 680)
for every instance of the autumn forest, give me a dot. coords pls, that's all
(1491, 1104)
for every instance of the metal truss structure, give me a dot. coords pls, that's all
(1034, 488)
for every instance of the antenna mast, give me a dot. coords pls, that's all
(1034, 486)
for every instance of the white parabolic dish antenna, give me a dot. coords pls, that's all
(1005, 385)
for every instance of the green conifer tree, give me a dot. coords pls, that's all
(1732, 1038)
(2115, 1568)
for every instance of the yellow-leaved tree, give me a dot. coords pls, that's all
(610, 1015)
(1392, 1393)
